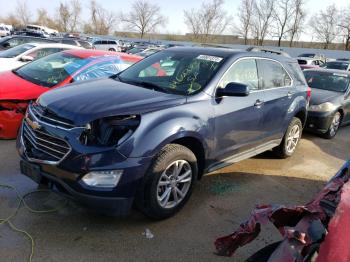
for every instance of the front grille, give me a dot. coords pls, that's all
(45, 115)
(42, 146)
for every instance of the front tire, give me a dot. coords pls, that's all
(169, 182)
(334, 126)
(290, 140)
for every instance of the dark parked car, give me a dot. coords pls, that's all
(330, 101)
(12, 41)
(148, 137)
(339, 64)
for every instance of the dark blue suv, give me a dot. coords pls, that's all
(146, 135)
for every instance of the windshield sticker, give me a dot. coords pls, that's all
(216, 59)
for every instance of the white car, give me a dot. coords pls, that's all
(4, 31)
(20, 55)
(109, 45)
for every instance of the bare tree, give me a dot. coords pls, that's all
(22, 12)
(262, 19)
(344, 26)
(63, 17)
(194, 23)
(245, 15)
(297, 20)
(69, 15)
(75, 15)
(101, 20)
(144, 17)
(282, 14)
(44, 19)
(324, 25)
(211, 19)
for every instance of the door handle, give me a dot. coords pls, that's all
(258, 103)
(290, 95)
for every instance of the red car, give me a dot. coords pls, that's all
(23, 85)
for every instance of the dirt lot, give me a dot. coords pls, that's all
(220, 202)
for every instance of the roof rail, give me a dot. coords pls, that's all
(267, 50)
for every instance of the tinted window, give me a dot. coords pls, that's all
(104, 42)
(97, 42)
(245, 72)
(327, 81)
(272, 74)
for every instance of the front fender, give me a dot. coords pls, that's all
(162, 127)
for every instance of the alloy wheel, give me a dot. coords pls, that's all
(293, 139)
(174, 184)
(335, 124)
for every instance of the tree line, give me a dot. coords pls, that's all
(255, 20)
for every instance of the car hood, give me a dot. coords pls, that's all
(91, 100)
(12, 87)
(319, 96)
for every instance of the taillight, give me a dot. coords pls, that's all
(308, 93)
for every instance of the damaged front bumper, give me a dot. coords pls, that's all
(11, 116)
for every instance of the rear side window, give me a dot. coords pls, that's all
(295, 70)
(272, 74)
(85, 44)
(245, 72)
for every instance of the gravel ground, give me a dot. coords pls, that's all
(221, 201)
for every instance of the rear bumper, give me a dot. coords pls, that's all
(10, 122)
(319, 122)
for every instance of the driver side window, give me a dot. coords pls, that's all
(244, 72)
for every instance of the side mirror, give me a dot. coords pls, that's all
(233, 89)
(27, 58)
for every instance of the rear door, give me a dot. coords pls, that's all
(238, 120)
(278, 94)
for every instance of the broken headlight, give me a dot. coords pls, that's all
(109, 131)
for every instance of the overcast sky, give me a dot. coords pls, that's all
(172, 9)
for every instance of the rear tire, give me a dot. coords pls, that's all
(169, 182)
(334, 126)
(112, 50)
(290, 140)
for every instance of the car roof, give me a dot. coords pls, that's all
(87, 53)
(230, 52)
(331, 71)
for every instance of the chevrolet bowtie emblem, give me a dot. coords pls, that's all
(33, 124)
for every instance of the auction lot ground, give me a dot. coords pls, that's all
(221, 201)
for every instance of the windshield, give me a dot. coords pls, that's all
(337, 65)
(51, 70)
(16, 51)
(327, 81)
(173, 72)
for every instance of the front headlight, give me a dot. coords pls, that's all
(325, 107)
(109, 131)
(103, 179)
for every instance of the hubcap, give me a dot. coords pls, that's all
(335, 124)
(293, 139)
(174, 183)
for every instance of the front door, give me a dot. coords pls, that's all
(238, 120)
